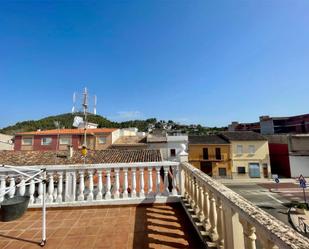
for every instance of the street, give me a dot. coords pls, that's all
(273, 203)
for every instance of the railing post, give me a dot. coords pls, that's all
(213, 218)
(201, 202)
(39, 199)
(141, 192)
(125, 183)
(149, 181)
(220, 224)
(117, 184)
(108, 194)
(158, 178)
(206, 221)
(174, 180)
(12, 187)
(50, 197)
(100, 185)
(196, 197)
(81, 196)
(249, 234)
(166, 190)
(31, 191)
(90, 195)
(70, 186)
(182, 181)
(234, 237)
(133, 193)
(22, 187)
(265, 243)
(60, 187)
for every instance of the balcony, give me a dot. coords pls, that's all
(212, 158)
(141, 205)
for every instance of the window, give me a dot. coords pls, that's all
(241, 170)
(239, 149)
(46, 141)
(65, 140)
(218, 153)
(26, 141)
(222, 171)
(173, 152)
(251, 149)
(205, 153)
(102, 140)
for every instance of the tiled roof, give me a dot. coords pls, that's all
(68, 131)
(130, 140)
(207, 139)
(23, 158)
(242, 136)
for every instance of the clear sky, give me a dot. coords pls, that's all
(208, 62)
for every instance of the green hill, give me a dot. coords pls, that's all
(66, 121)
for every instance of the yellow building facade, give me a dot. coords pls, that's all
(211, 154)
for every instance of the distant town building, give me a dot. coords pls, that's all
(231, 155)
(96, 139)
(275, 125)
(289, 154)
(6, 142)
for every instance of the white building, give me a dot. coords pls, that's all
(6, 142)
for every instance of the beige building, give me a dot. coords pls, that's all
(6, 142)
(249, 154)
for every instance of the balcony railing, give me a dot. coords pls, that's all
(211, 157)
(230, 221)
(224, 218)
(99, 184)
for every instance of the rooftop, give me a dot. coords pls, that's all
(68, 131)
(19, 158)
(143, 226)
(207, 139)
(242, 136)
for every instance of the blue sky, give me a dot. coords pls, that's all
(207, 62)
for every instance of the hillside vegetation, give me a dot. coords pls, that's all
(66, 121)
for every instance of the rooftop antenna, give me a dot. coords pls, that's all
(85, 106)
(74, 102)
(95, 105)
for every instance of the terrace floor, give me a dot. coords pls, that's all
(143, 226)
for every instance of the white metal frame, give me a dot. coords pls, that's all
(38, 175)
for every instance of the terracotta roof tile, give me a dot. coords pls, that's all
(23, 158)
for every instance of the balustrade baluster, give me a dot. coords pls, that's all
(220, 224)
(81, 196)
(201, 201)
(117, 184)
(50, 197)
(196, 197)
(125, 183)
(213, 218)
(174, 180)
(150, 181)
(12, 187)
(100, 185)
(108, 194)
(60, 187)
(39, 199)
(31, 191)
(2, 187)
(90, 195)
(133, 193)
(206, 221)
(192, 188)
(249, 234)
(186, 184)
(142, 192)
(166, 190)
(22, 187)
(158, 180)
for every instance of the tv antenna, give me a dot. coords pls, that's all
(81, 102)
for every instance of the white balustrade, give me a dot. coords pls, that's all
(117, 184)
(50, 194)
(2, 187)
(150, 182)
(108, 194)
(81, 195)
(100, 186)
(39, 199)
(133, 193)
(90, 195)
(125, 183)
(22, 186)
(31, 191)
(166, 190)
(12, 187)
(60, 188)
(141, 179)
(158, 180)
